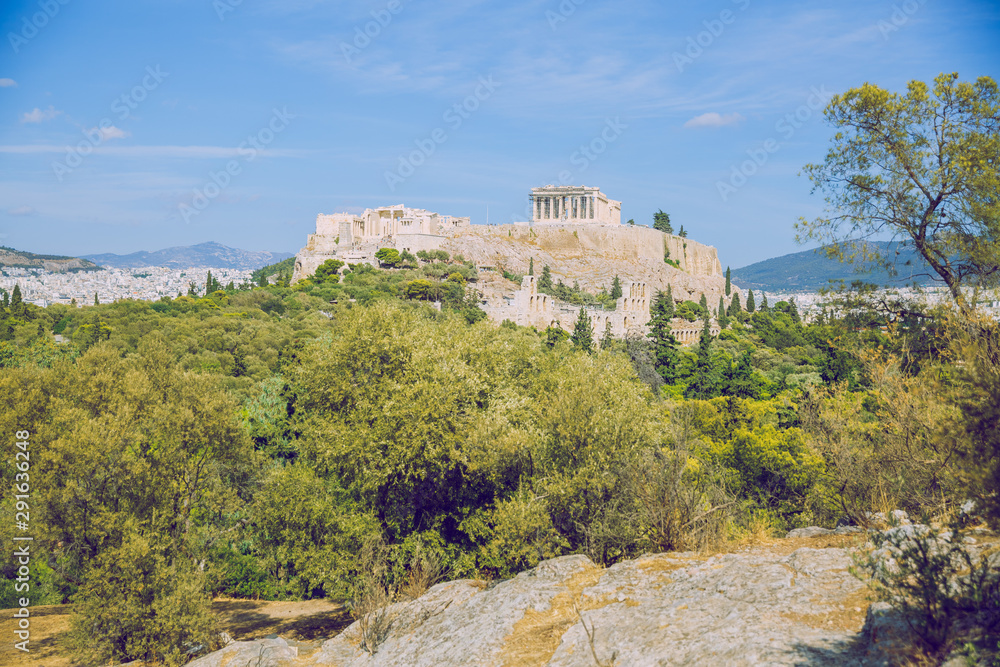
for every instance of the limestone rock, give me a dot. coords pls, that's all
(261, 653)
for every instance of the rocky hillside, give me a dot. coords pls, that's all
(29, 260)
(595, 254)
(791, 602)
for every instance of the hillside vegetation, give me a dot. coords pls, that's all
(268, 443)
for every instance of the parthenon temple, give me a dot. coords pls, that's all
(574, 203)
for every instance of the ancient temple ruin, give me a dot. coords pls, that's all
(574, 204)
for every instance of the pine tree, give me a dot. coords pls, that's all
(545, 281)
(723, 320)
(763, 303)
(734, 306)
(793, 310)
(661, 222)
(669, 307)
(682, 233)
(616, 288)
(750, 303)
(631, 222)
(583, 333)
(531, 266)
(703, 302)
(15, 298)
(729, 282)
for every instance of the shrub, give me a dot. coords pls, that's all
(934, 582)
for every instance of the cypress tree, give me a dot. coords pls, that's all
(723, 320)
(703, 302)
(607, 340)
(4, 298)
(750, 304)
(545, 281)
(616, 288)
(531, 266)
(665, 355)
(583, 333)
(682, 233)
(97, 301)
(669, 308)
(793, 310)
(729, 282)
(734, 306)
(15, 297)
(763, 302)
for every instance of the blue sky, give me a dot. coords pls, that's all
(140, 125)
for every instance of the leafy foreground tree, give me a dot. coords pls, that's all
(923, 167)
(138, 472)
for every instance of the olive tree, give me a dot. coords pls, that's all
(922, 167)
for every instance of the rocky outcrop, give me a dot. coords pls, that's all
(595, 254)
(790, 603)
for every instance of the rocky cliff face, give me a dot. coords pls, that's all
(789, 603)
(595, 254)
(589, 254)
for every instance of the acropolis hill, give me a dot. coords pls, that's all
(576, 231)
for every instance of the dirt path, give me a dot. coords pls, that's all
(306, 623)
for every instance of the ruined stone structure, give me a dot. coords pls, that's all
(386, 221)
(576, 231)
(530, 308)
(574, 204)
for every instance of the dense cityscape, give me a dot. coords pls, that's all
(44, 288)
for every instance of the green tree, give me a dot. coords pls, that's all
(545, 281)
(388, 257)
(682, 233)
(328, 271)
(723, 319)
(729, 282)
(703, 302)
(707, 381)
(751, 306)
(921, 167)
(666, 358)
(531, 266)
(97, 301)
(741, 380)
(669, 307)
(734, 306)
(554, 335)
(763, 303)
(661, 221)
(616, 288)
(583, 332)
(631, 222)
(212, 284)
(15, 298)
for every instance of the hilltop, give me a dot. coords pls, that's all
(812, 269)
(11, 258)
(203, 255)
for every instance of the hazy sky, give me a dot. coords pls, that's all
(145, 124)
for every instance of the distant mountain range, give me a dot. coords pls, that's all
(204, 255)
(9, 257)
(812, 269)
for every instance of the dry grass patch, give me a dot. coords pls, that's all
(536, 636)
(848, 616)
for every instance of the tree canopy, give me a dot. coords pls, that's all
(923, 167)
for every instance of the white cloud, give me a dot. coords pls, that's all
(39, 115)
(21, 210)
(714, 119)
(6, 83)
(111, 132)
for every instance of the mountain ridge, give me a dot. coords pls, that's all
(812, 269)
(202, 255)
